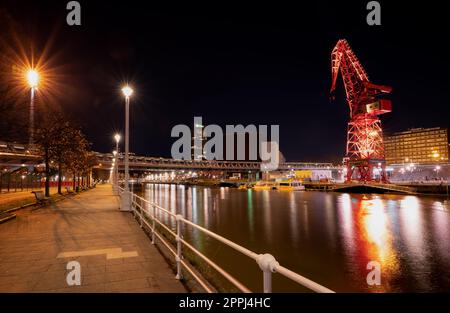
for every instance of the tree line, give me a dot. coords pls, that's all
(65, 151)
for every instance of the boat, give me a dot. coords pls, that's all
(245, 186)
(289, 185)
(264, 185)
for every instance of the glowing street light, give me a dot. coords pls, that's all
(32, 77)
(126, 197)
(127, 91)
(117, 139)
(437, 170)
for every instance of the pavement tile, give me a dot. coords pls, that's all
(88, 221)
(126, 285)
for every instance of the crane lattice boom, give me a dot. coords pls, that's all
(364, 135)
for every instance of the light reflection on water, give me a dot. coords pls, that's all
(328, 237)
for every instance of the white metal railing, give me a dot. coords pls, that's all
(147, 213)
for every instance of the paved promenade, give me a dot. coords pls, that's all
(115, 255)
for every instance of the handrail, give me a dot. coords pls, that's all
(266, 262)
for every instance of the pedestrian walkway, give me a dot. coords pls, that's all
(114, 254)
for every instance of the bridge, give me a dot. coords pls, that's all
(16, 155)
(154, 163)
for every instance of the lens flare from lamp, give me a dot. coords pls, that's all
(127, 91)
(32, 78)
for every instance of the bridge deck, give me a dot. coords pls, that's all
(114, 253)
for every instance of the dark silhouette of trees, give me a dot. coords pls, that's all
(63, 146)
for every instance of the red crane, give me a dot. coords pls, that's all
(365, 148)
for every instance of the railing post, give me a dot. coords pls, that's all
(267, 264)
(153, 224)
(178, 240)
(142, 213)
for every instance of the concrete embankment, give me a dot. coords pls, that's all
(436, 189)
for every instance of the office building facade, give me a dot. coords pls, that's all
(418, 146)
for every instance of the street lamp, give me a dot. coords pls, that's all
(437, 171)
(32, 79)
(115, 179)
(116, 168)
(126, 196)
(117, 139)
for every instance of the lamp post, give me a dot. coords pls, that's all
(113, 172)
(116, 165)
(33, 79)
(437, 171)
(126, 195)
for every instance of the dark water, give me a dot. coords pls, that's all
(327, 237)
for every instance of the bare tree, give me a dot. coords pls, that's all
(65, 146)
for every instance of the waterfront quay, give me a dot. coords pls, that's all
(114, 254)
(329, 237)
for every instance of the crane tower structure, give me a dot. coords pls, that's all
(365, 148)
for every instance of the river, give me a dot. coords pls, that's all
(327, 237)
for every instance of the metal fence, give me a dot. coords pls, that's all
(147, 214)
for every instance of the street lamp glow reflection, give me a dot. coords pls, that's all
(32, 78)
(127, 91)
(117, 137)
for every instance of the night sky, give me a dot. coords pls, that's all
(234, 64)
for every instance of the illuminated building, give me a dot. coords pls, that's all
(418, 146)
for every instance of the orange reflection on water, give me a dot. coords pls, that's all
(377, 241)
